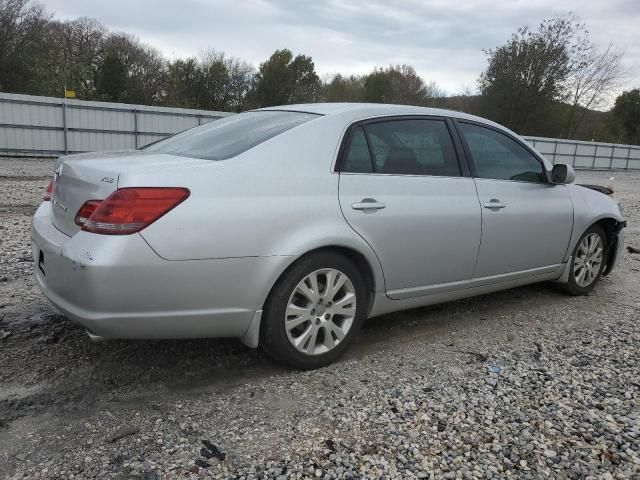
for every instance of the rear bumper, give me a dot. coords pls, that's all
(118, 287)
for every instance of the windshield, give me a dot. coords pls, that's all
(231, 135)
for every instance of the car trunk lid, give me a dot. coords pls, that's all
(94, 176)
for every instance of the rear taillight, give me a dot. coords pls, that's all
(129, 210)
(86, 210)
(46, 196)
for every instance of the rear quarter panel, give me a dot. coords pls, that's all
(279, 198)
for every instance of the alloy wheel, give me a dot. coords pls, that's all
(588, 260)
(320, 311)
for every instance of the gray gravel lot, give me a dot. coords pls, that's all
(527, 383)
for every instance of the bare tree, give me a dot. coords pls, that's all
(399, 84)
(409, 88)
(544, 82)
(595, 76)
(77, 51)
(527, 75)
(227, 80)
(22, 44)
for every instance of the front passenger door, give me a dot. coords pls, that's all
(526, 221)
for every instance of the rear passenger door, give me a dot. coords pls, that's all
(526, 221)
(403, 190)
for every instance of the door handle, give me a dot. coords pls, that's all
(368, 204)
(494, 203)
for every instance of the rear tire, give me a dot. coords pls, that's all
(314, 311)
(587, 261)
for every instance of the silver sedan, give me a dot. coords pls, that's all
(286, 227)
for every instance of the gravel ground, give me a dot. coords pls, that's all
(527, 383)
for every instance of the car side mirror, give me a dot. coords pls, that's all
(562, 174)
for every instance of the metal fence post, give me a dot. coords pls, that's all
(626, 166)
(199, 119)
(575, 154)
(555, 149)
(64, 126)
(595, 155)
(613, 149)
(135, 127)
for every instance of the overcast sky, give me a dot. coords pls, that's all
(443, 40)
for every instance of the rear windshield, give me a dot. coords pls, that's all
(231, 135)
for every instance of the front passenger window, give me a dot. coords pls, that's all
(497, 156)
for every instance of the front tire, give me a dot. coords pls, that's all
(314, 311)
(588, 261)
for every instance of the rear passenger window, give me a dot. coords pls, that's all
(358, 159)
(403, 147)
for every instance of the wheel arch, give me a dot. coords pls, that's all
(611, 227)
(368, 267)
(590, 208)
(364, 260)
(609, 224)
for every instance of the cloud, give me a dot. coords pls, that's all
(443, 40)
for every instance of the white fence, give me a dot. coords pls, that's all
(49, 127)
(588, 155)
